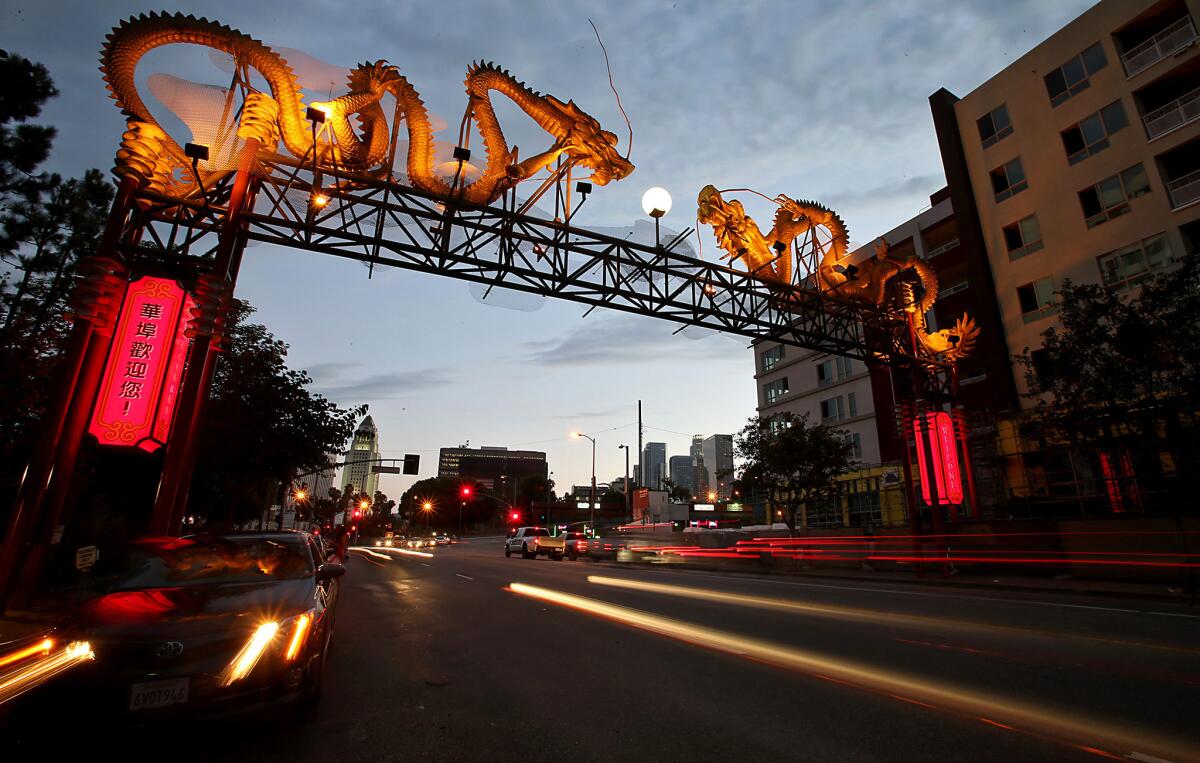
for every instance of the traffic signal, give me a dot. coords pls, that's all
(466, 491)
(515, 516)
(356, 514)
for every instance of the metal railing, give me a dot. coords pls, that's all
(1185, 190)
(1177, 113)
(941, 249)
(1174, 37)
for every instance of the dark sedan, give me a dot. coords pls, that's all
(209, 623)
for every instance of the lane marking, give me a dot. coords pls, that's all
(464, 577)
(426, 564)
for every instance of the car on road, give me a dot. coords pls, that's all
(208, 623)
(443, 540)
(532, 542)
(575, 541)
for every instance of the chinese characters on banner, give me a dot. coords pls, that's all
(935, 435)
(145, 364)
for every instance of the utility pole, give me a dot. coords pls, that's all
(641, 459)
(628, 497)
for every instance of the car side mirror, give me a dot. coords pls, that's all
(330, 570)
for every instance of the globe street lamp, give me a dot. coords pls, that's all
(592, 502)
(656, 202)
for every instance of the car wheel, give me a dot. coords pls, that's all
(525, 552)
(558, 557)
(574, 555)
(507, 551)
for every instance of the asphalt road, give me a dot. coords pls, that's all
(440, 658)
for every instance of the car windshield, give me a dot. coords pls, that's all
(213, 559)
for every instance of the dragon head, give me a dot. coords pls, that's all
(585, 141)
(952, 344)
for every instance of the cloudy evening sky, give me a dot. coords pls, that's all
(824, 100)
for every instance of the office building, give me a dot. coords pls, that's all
(358, 475)
(718, 464)
(320, 483)
(654, 460)
(683, 472)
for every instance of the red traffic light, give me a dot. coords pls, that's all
(357, 514)
(515, 516)
(466, 491)
(353, 528)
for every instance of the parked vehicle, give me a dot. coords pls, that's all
(208, 623)
(535, 541)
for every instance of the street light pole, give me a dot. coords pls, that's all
(628, 504)
(592, 502)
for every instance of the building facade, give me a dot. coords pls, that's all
(683, 472)
(1081, 159)
(322, 481)
(358, 475)
(496, 468)
(718, 464)
(654, 460)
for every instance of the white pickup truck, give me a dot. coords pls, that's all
(534, 541)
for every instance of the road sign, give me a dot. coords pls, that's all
(85, 558)
(377, 469)
(412, 463)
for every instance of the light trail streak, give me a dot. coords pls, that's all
(43, 647)
(1026, 717)
(247, 657)
(21, 680)
(838, 611)
(375, 551)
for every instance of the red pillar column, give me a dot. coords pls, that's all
(181, 450)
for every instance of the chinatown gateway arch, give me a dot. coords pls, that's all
(150, 307)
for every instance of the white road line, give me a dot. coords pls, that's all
(426, 564)
(1146, 758)
(464, 577)
(929, 594)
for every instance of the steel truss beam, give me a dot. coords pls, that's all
(386, 223)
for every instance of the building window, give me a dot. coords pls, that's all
(1008, 179)
(1090, 136)
(1073, 76)
(834, 369)
(994, 126)
(1023, 237)
(946, 291)
(1037, 299)
(772, 358)
(1130, 265)
(1110, 197)
(855, 443)
(775, 390)
(1042, 367)
(776, 423)
(852, 404)
(833, 409)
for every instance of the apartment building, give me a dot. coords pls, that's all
(1081, 160)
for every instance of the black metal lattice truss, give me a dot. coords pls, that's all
(386, 223)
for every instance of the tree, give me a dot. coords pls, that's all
(677, 493)
(445, 496)
(261, 425)
(46, 225)
(1121, 363)
(790, 462)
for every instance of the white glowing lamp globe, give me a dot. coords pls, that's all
(656, 202)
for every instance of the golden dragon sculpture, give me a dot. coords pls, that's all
(578, 137)
(768, 255)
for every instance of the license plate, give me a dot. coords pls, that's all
(153, 694)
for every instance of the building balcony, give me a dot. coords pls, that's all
(1166, 42)
(1173, 115)
(942, 249)
(1184, 191)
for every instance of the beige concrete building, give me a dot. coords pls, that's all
(1083, 157)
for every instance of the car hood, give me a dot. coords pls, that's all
(194, 608)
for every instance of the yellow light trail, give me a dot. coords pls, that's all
(838, 611)
(44, 646)
(247, 657)
(299, 631)
(17, 682)
(912, 688)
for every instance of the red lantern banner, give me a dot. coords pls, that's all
(145, 364)
(935, 436)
